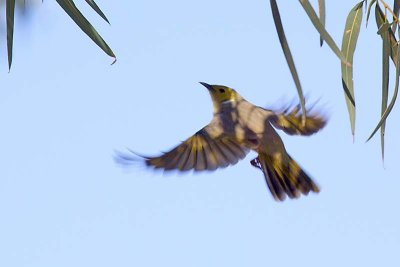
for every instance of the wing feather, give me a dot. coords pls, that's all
(290, 121)
(208, 149)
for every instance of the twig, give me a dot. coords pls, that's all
(386, 6)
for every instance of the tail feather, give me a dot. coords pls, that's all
(284, 177)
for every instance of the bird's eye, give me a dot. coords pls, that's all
(222, 90)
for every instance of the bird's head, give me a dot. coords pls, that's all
(220, 94)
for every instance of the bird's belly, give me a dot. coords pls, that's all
(264, 139)
(247, 137)
(249, 125)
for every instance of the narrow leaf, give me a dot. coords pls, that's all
(385, 78)
(288, 54)
(383, 29)
(349, 42)
(369, 11)
(97, 9)
(70, 8)
(322, 31)
(321, 9)
(10, 10)
(396, 9)
(392, 101)
(380, 20)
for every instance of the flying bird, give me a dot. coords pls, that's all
(237, 127)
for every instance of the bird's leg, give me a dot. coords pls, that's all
(256, 163)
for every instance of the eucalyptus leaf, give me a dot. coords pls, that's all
(369, 11)
(97, 9)
(380, 20)
(396, 9)
(384, 32)
(322, 31)
(383, 29)
(322, 17)
(288, 54)
(349, 42)
(393, 100)
(70, 8)
(10, 10)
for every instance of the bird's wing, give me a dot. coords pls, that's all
(290, 121)
(208, 149)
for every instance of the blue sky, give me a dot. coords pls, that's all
(64, 110)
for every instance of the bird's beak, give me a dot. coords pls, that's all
(206, 85)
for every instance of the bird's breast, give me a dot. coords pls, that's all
(252, 117)
(245, 122)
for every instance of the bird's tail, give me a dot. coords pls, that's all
(284, 176)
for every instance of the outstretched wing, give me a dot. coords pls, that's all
(208, 149)
(291, 122)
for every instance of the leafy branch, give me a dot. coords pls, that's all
(69, 8)
(387, 8)
(390, 49)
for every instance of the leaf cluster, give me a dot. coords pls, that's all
(70, 8)
(387, 22)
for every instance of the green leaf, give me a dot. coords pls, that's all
(70, 8)
(380, 20)
(288, 54)
(383, 29)
(321, 9)
(322, 31)
(10, 10)
(369, 11)
(393, 100)
(396, 9)
(384, 32)
(349, 42)
(97, 9)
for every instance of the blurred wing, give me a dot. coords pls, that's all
(291, 122)
(208, 149)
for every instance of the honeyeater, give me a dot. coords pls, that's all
(238, 126)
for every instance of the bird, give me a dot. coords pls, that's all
(237, 127)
